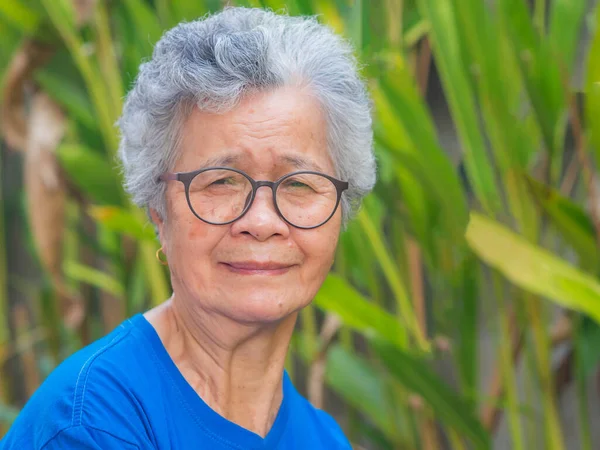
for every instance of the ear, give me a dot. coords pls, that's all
(159, 222)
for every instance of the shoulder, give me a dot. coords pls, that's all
(316, 424)
(88, 437)
(90, 390)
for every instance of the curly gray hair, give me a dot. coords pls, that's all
(211, 63)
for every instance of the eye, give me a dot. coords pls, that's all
(297, 184)
(223, 181)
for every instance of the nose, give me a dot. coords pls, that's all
(262, 220)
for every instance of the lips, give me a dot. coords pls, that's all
(258, 268)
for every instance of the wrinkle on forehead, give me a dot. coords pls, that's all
(275, 128)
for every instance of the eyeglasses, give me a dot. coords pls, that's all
(222, 195)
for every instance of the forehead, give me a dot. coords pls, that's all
(281, 128)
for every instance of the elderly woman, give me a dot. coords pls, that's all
(248, 138)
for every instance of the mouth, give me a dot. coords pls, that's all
(257, 268)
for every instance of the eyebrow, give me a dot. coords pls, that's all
(296, 161)
(301, 163)
(220, 161)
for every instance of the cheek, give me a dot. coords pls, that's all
(320, 250)
(189, 239)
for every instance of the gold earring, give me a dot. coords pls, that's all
(164, 262)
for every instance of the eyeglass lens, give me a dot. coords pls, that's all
(219, 196)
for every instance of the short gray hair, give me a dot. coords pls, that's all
(213, 62)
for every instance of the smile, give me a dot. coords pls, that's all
(251, 268)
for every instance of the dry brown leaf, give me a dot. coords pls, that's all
(13, 120)
(46, 195)
(30, 56)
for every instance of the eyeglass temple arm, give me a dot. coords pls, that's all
(167, 176)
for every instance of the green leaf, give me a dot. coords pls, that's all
(467, 319)
(448, 57)
(92, 174)
(392, 274)
(20, 15)
(542, 74)
(94, 277)
(191, 10)
(570, 220)
(63, 83)
(360, 385)
(588, 342)
(533, 268)
(145, 22)
(338, 297)
(414, 373)
(566, 19)
(424, 155)
(122, 221)
(592, 89)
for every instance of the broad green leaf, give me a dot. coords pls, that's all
(60, 79)
(570, 220)
(192, 10)
(566, 20)
(586, 359)
(392, 275)
(414, 373)
(338, 297)
(145, 22)
(162, 8)
(61, 14)
(362, 386)
(20, 15)
(497, 81)
(108, 62)
(305, 7)
(123, 221)
(11, 39)
(94, 277)
(92, 174)
(543, 75)
(421, 217)
(467, 319)
(532, 268)
(592, 89)
(588, 342)
(429, 162)
(447, 52)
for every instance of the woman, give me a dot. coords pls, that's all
(248, 139)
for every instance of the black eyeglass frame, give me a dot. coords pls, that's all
(187, 177)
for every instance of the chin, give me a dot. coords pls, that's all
(264, 307)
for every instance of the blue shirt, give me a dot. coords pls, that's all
(125, 392)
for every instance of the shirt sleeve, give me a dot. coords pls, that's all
(87, 438)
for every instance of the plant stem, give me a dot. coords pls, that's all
(582, 391)
(392, 274)
(4, 385)
(539, 16)
(3, 267)
(107, 58)
(542, 356)
(507, 365)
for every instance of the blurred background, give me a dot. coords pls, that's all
(463, 310)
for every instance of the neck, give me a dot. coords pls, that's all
(235, 368)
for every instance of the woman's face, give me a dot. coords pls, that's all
(218, 267)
